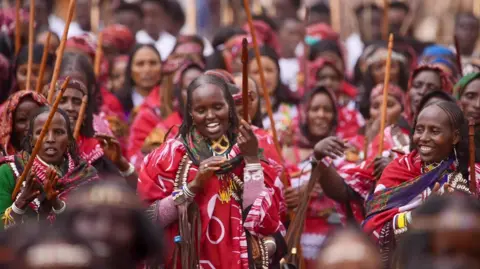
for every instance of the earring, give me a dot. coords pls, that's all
(456, 157)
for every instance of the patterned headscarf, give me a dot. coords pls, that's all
(119, 37)
(463, 83)
(317, 65)
(393, 90)
(72, 83)
(265, 34)
(320, 31)
(445, 80)
(85, 43)
(6, 125)
(221, 74)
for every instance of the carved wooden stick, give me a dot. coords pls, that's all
(266, 95)
(81, 116)
(98, 55)
(386, 83)
(471, 149)
(43, 64)
(61, 48)
(39, 142)
(18, 29)
(31, 42)
(245, 99)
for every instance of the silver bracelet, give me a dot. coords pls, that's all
(253, 166)
(129, 172)
(61, 210)
(17, 210)
(188, 192)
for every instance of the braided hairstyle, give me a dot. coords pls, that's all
(72, 145)
(457, 123)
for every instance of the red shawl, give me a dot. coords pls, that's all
(223, 241)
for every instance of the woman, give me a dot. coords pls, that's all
(202, 169)
(21, 64)
(325, 73)
(320, 121)
(227, 44)
(467, 92)
(254, 104)
(437, 240)
(440, 157)
(117, 73)
(424, 79)
(283, 105)
(15, 119)
(143, 76)
(56, 171)
(150, 119)
(373, 69)
(110, 217)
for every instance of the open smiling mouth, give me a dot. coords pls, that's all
(213, 127)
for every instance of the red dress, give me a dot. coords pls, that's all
(223, 238)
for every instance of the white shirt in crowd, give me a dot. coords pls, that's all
(164, 44)
(354, 46)
(57, 25)
(289, 69)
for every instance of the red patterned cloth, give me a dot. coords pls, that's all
(119, 37)
(223, 238)
(265, 34)
(322, 31)
(349, 121)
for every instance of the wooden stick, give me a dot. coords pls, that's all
(386, 83)
(18, 28)
(39, 142)
(335, 15)
(43, 64)
(192, 16)
(81, 116)
(476, 7)
(266, 95)
(245, 99)
(385, 25)
(95, 16)
(98, 55)
(61, 48)
(471, 149)
(31, 42)
(458, 56)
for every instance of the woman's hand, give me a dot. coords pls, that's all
(332, 147)
(247, 142)
(28, 192)
(111, 147)
(292, 197)
(49, 185)
(205, 172)
(379, 165)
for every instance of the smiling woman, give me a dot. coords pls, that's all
(438, 164)
(202, 171)
(56, 171)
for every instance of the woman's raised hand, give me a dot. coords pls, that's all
(331, 146)
(111, 147)
(28, 193)
(49, 185)
(247, 142)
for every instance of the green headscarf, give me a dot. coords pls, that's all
(463, 83)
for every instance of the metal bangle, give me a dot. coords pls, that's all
(17, 210)
(61, 210)
(129, 172)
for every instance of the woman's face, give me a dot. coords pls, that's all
(423, 83)
(433, 135)
(378, 71)
(394, 109)
(110, 227)
(320, 115)
(253, 95)
(146, 68)
(71, 103)
(329, 78)
(271, 72)
(470, 101)
(21, 119)
(22, 76)
(117, 78)
(55, 142)
(335, 58)
(184, 51)
(54, 41)
(190, 75)
(210, 111)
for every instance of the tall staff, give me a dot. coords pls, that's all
(458, 56)
(81, 116)
(95, 16)
(471, 149)
(31, 41)
(43, 64)
(385, 25)
(245, 98)
(61, 48)
(18, 40)
(192, 16)
(39, 142)
(385, 93)
(98, 55)
(266, 95)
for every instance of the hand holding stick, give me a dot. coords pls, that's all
(61, 48)
(31, 41)
(81, 116)
(43, 64)
(39, 142)
(245, 99)
(385, 94)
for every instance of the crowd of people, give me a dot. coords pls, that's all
(136, 149)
